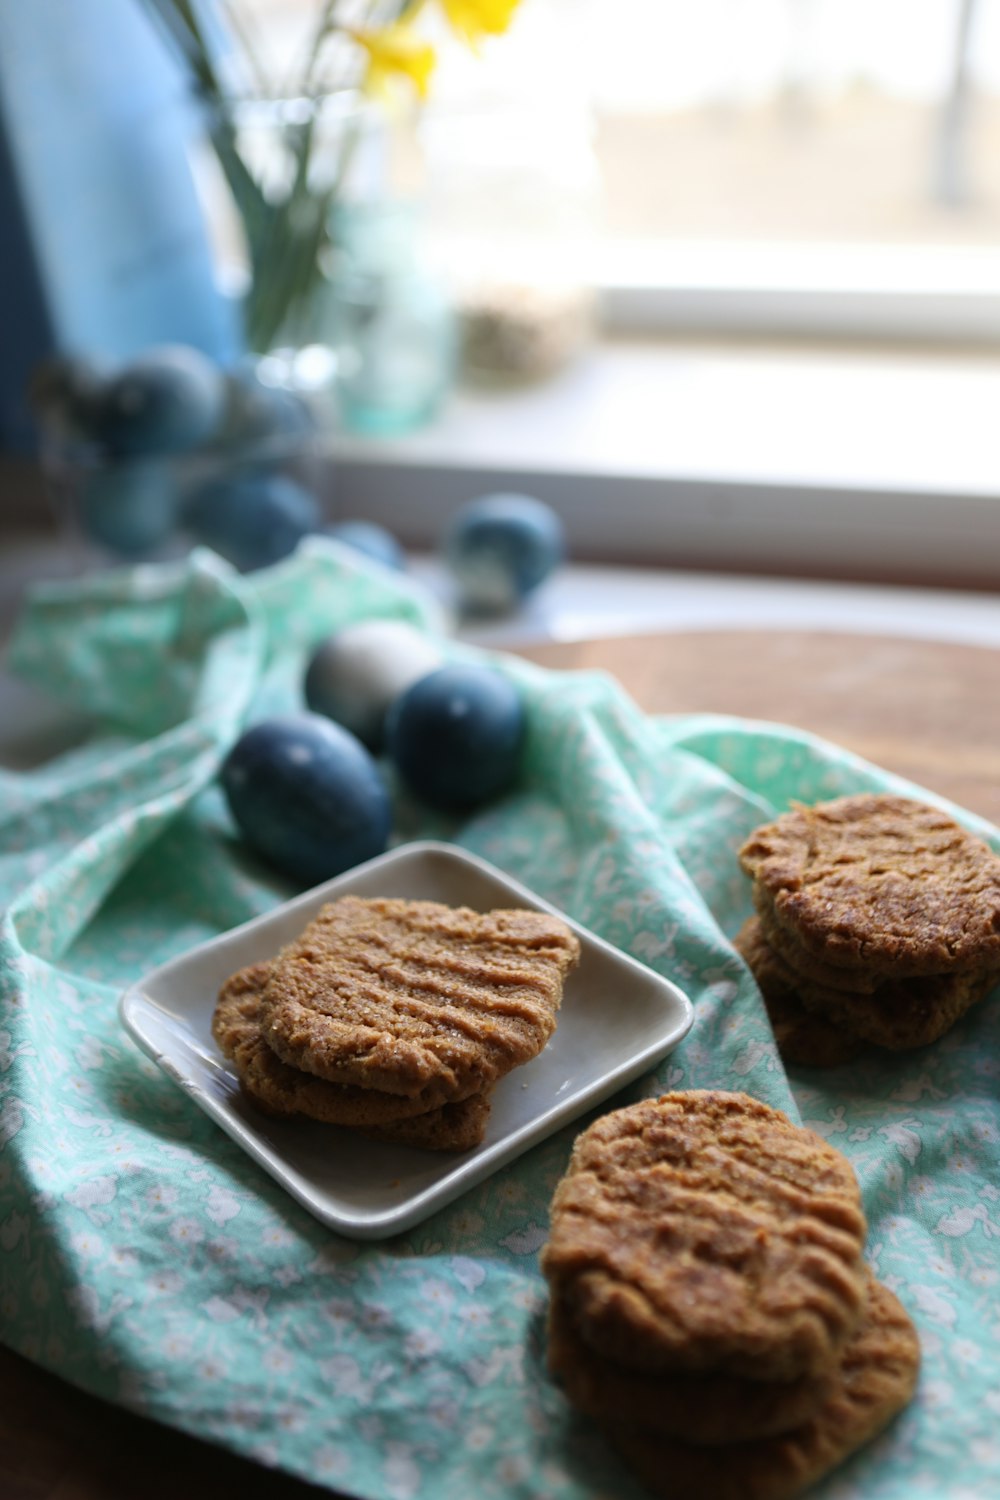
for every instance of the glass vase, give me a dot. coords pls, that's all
(388, 321)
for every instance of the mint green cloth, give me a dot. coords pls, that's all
(146, 1258)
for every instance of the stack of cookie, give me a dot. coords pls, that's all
(396, 1018)
(877, 922)
(710, 1307)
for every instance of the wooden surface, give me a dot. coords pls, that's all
(928, 711)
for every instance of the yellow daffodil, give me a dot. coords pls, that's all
(396, 52)
(474, 19)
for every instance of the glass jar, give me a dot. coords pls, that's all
(388, 321)
(248, 481)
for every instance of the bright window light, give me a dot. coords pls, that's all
(806, 166)
(789, 165)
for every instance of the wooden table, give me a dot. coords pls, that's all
(926, 710)
(929, 711)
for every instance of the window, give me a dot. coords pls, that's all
(791, 167)
(807, 166)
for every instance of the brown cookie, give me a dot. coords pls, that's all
(450, 1127)
(417, 999)
(281, 1090)
(786, 945)
(705, 1231)
(900, 1014)
(236, 1026)
(882, 884)
(708, 1409)
(876, 1378)
(810, 1040)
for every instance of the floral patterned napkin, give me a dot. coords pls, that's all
(144, 1257)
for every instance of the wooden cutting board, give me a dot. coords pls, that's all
(926, 710)
(929, 711)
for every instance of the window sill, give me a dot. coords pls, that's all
(812, 462)
(938, 295)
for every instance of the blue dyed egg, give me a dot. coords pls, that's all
(355, 675)
(253, 518)
(130, 508)
(369, 539)
(456, 736)
(260, 415)
(307, 796)
(500, 548)
(169, 400)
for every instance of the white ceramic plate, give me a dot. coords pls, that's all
(617, 1020)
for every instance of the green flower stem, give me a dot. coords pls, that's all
(290, 267)
(241, 32)
(286, 238)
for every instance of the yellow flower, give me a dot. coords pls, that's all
(474, 19)
(396, 52)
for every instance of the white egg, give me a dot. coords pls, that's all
(354, 676)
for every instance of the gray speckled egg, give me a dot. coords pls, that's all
(355, 675)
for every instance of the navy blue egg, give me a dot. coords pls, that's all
(456, 736)
(369, 539)
(130, 508)
(259, 415)
(307, 796)
(253, 518)
(501, 547)
(168, 400)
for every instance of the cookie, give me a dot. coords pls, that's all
(900, 1014)
(415, 998)
(450, 1127)
(710, 1409)
(280, 1090)
(880, 883)
(783, 942)
(876, 1378)
(802, 1037)
(705, 1231)
(820, 1025)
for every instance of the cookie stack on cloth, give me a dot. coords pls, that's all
(877, 922)
(396, 1018)
(710, 1308)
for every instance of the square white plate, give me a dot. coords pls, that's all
(618, 1018)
